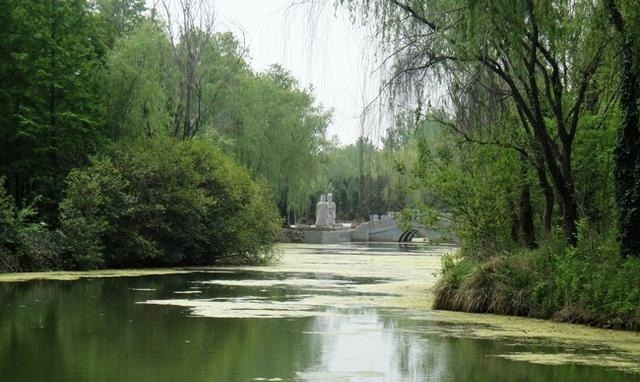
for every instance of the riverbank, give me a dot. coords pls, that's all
(386, 278)
(583, 285)
(413, 290)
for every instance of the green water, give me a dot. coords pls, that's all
(102, 330)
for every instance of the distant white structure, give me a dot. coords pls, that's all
(326, 211)
(331, 209)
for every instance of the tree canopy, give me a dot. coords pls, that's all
(527, 126)
(118, 121)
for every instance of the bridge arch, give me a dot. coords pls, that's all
(407, 236)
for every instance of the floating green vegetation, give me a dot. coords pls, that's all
(289, 282)
(408, 287)
(340, 376)
(244, 307)
(344, 280)
(28, 276)
(582, 344)
(619, 362)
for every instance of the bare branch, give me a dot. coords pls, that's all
(414, 13)
(468, 138)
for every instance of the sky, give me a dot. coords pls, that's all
(321, 48)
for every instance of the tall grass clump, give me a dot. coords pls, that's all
(587, 283)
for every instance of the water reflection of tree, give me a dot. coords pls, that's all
(93, 330)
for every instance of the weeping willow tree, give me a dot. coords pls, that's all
(276, 129)
(135, 83)
(541, 56)
(207, 89)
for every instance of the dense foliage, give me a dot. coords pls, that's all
(586, 284)
(136, 137)
(528, 135)
(24, 244)
(160, 203)
(129, 140)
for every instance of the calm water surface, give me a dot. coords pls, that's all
(245, 326)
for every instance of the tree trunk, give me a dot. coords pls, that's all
(515, 220)
(362, 186)
(627, 150)
(549, 199)
(570, 218)
(526, 219)
(562, 178)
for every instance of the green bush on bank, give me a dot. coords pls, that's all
(586, 284)
(164, 202)
(153, 202)
(25, 242)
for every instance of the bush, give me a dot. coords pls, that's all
(594, 285)
(97, 202)
(164, 202)
(587, 284)
(25, 243)
(499, 285)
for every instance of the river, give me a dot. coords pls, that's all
(351, 312)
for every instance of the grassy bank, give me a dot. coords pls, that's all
(587, 284)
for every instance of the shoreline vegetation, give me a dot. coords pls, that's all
(130, 141)
(411, 292)
(150, 203)
(526, 121)
(581, 285)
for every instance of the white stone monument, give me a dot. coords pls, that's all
(332, 209)
(326, 211)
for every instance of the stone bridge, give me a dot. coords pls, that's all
(387, 229)
(379, 229)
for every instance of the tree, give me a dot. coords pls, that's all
(120, 17)
(482, 116)
(267, 121)
(138, 80)
(197, 52)
(52, 109)
(277, 130)
(544, 55)
(624, 18)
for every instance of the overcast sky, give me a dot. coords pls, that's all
(320, 48)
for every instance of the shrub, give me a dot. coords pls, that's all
(454, 270)
(164, 202)
(97, 201)
(588, 283)
(499, 285)
(25, 243)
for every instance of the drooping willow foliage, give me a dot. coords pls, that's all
(532, 77)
